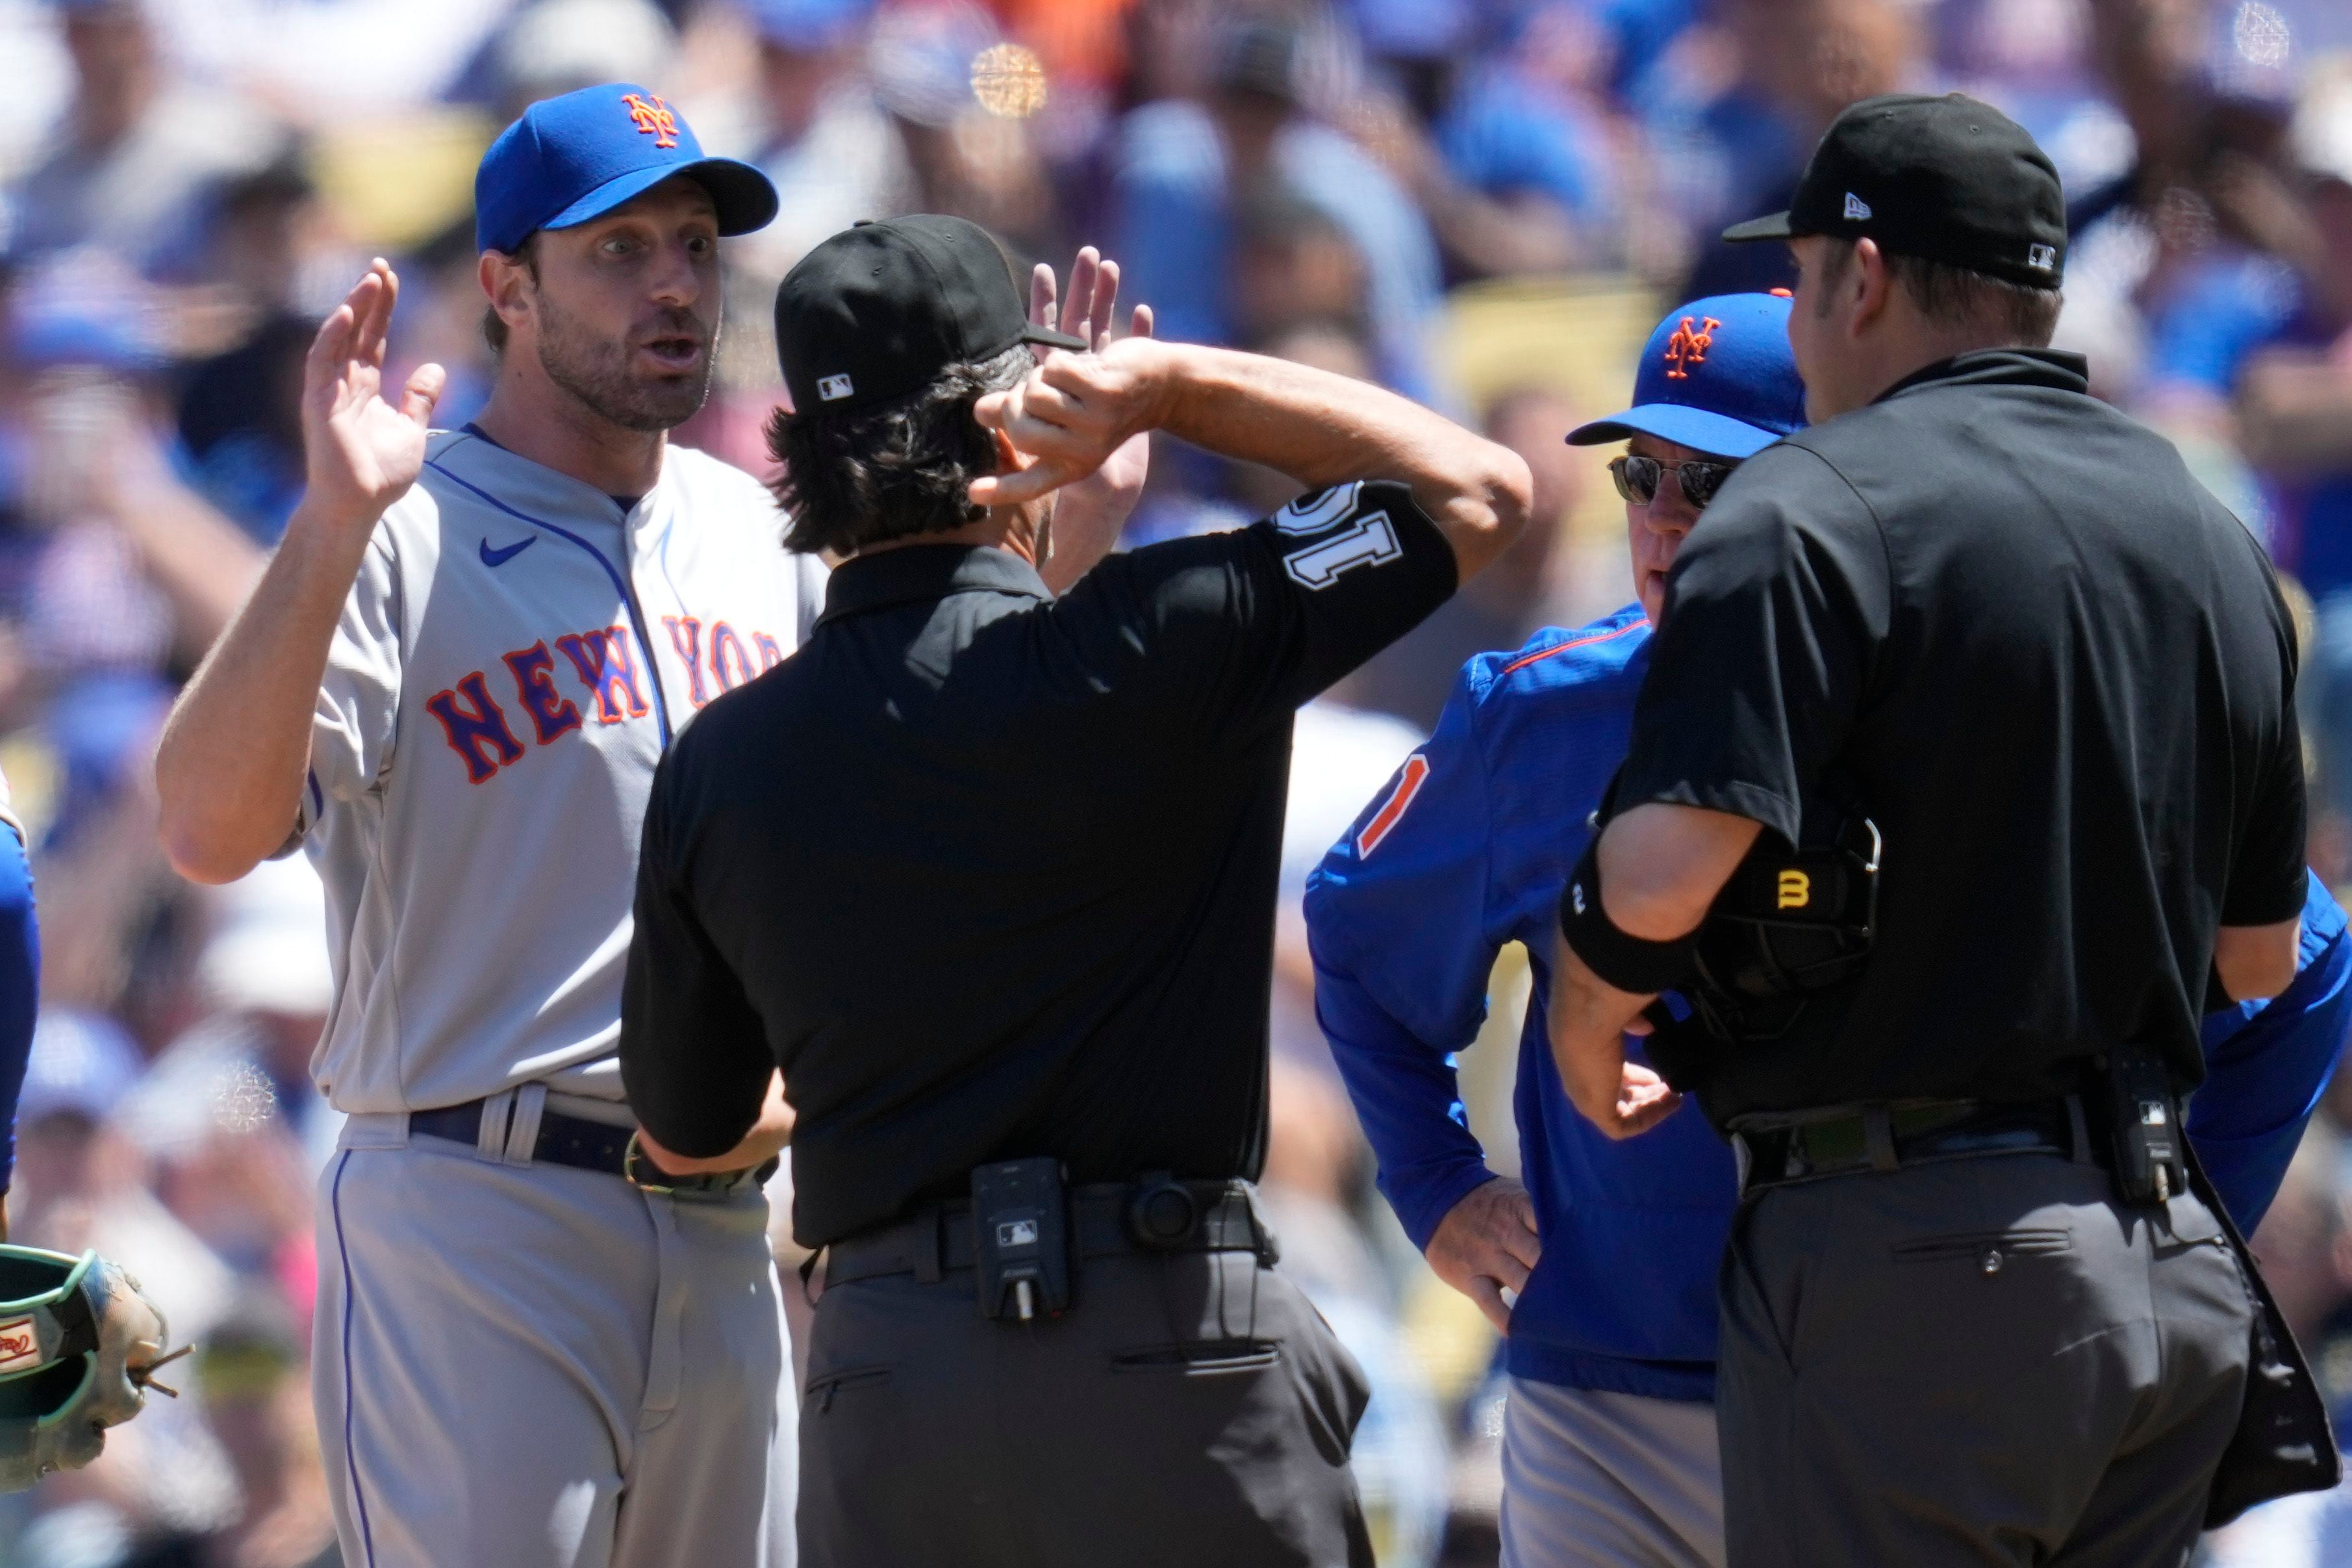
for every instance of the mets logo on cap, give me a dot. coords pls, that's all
(1688, 344)
(653, 118)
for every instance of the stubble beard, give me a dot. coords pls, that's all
(596, 372)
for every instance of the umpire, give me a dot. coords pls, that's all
(1977, 648)
(991, 877)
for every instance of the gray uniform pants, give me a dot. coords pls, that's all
(1982, 1362)
(530, 1366)
(1190, 1410)
(1597, 1480)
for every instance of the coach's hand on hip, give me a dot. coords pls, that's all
(768, 1138)
(1487, 1244)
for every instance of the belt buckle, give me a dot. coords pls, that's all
(645, 1175)
(642, 1173)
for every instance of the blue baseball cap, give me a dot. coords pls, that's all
(1716, 376)
(576, 157)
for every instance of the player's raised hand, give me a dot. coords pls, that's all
(361, 452)
(1092, 510)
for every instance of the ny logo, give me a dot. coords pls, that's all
(654, 119)
(1688, 347)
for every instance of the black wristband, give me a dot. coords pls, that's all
(1626, 962)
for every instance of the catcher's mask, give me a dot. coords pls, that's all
(49, 1337)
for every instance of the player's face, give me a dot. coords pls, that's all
(626, 314)
(1656, 528)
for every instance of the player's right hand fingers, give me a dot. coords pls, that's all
(1488, 1298)
(1085, 278)
(368, 335)
(331, 345)
(1106, 301)
(423, 391)
(1040, 296)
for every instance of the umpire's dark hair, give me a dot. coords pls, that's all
(1949, 296)
(894, 470)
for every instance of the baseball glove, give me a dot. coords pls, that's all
(78, 1347)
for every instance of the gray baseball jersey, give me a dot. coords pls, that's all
(518, 650)
(530, 1364)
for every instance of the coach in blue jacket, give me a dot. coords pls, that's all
(1608, 1449)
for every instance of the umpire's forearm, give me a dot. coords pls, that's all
(229, 770)
(1321, 428)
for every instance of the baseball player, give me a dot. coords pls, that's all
(451, 688)
(80, 1344)
(1610, 1448)
(20, 981)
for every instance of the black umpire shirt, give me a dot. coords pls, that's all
(2060, 675)
(992, 874)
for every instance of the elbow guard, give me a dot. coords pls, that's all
(1620, 959)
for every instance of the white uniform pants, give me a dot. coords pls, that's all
(1593, 1480)
(532, 1366)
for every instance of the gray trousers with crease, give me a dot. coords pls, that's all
(1983, 1361)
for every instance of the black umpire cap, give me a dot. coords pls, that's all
(1945, 179)
(879, 311)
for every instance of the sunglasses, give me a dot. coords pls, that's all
(1637, 479)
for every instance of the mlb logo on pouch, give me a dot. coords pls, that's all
(831, 387)
(1017, 1233)
(2041, 257)
(20, 1346)
(1856, 209)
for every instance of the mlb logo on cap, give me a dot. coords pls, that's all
(834, 388)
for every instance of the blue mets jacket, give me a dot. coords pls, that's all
(1467, 848)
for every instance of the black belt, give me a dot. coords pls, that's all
(571, 1141)
(1804, 1146)
(562, 1140)
(1103, 1223)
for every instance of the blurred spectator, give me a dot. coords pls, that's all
(316, 62)
(1511, 155)
(135, 149)
(2292, 382)
(249, 1383)
(821, 135)
(1745, 106)
(1503, 606)
(554, 46)
(1316, 1169)
(1184, 169)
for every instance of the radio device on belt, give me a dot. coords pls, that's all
(1020, 1239)
(2144, 1126)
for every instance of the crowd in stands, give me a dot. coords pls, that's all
(1481, 203)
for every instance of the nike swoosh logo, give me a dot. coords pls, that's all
(500, 557)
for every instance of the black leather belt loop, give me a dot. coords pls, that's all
(937, 1240)
(573, 1141)
(1842, 1140)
